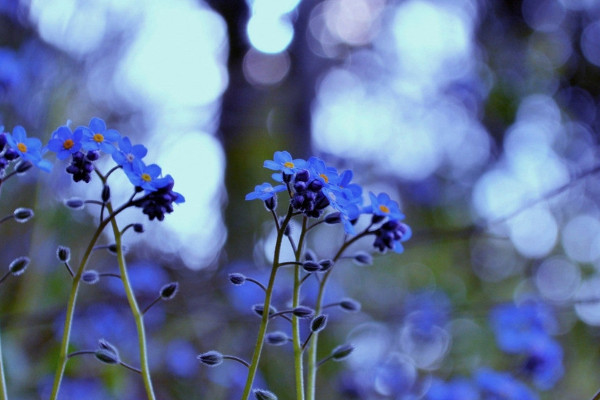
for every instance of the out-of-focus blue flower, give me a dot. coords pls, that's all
(145, 176)
(128, 153)
(383, 206)
(264, 191)
(64, 142)
(457, 389)
(497, 385)
(426, 310)
(97, 137)
(181, 358)
(11, 73)
(80, 388)
(517, 328)
(282, 161)
(30, 149)
(544, 363)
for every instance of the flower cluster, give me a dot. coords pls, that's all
(314, 186)
(86, 144)
(18, 149)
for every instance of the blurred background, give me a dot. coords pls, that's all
(479, 117)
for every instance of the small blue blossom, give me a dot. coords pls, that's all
(496, 385)
(127, 153)
(97, 137)
(319, 170)
(383, 206)
(30, 149)
(146, 176)
(543, 363)
(64, 142)
(282, 161)
(264, 191)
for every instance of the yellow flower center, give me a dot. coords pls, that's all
(288, 164)
(98, 137)
(146, 177)
(325, 178)
(385, 209)
(67, 144)
(22, 147)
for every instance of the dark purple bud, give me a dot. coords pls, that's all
(259, 309)
(318, 323)
(271, 203)
(237, 278)
(92, 155)
(74, 203)
(350, 305)
(300, 186)
(303, 312)
(363, 258)
(90, 277)
(2, 141)
(23, 166)
(105, 193)
(261, 394)
(311, 266)
(23, 214)
(287, 178)
(310, 255)
(168, 291)
(325, 264)
(11, 154)
(333, 218)
(18, 265)
(211, 358)
(342, 352)
(276, 338)
(63, 253)
(138, 228)
(302, 175)
(315, 185)
(377, 218)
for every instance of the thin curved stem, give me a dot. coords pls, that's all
(297, 342)
(135, 309)
(3, 392)
(267, 304)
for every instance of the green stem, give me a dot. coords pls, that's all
(298, 349)
(3, 394)
(64, 346)
(135, 309)
(265, 317)
(312, 349)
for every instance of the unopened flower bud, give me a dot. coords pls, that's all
(333, 218)
(237, 278)
(168, 291)
(303, 312)
(92, 155)
(74, 203)
(276, 338)
(342, 352)
(350, 305)
(318, 323)
(310, 255)
(261, 394)
(377, 218)
(18, 265)
(105, 193)
(211, 358)
(302, 175)
(325, 264)
(23, 167)
(63, 253)
(138, 228)
(311, 266)
(271, 203)
(23, 214)
(90, 277)
(259, 309)
(107, 353)
(363, 258)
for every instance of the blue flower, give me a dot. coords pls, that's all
(496, 385)
(128, 153)
(64, 142)
(383, 206)
(97, 137)
(457, 389)
(319, 170)
(282, 161)
(146, 176)
(264, 191)
(543, 363)
(30, 149)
